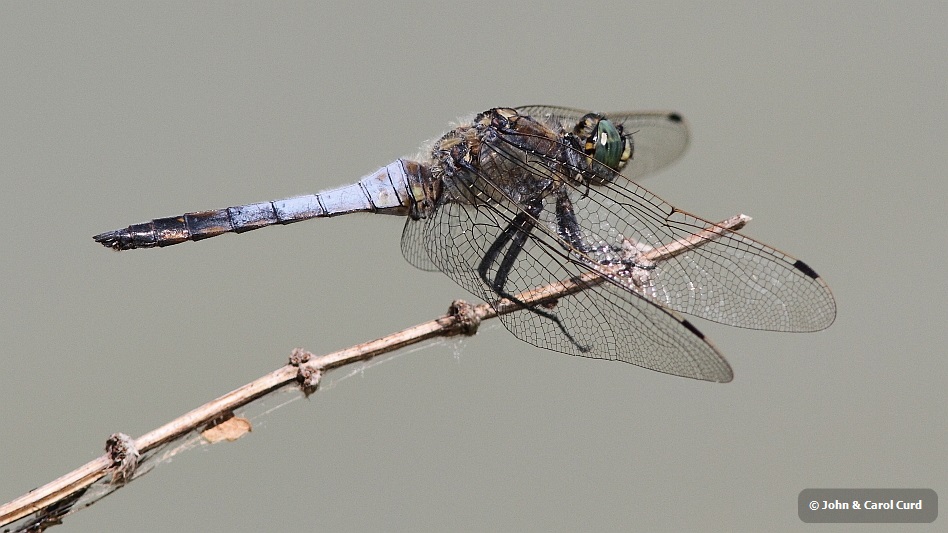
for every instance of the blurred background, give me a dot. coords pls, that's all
(825, 122)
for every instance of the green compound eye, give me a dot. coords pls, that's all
(604, 142)
(609, 144)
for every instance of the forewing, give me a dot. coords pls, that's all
(659, 137)
(732, 279)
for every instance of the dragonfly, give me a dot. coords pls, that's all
(511, 199)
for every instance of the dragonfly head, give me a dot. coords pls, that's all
(604, 141)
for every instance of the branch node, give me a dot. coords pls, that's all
(124, 456)
(308, 378)
(465, 317)
(299, 356)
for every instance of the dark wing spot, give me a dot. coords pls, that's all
(674, 117)
(805, 268)
(692, 328)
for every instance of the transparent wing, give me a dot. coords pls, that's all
(659, 137)
(415, 247)
(606, 321)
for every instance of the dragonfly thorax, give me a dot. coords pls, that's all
(476, 162)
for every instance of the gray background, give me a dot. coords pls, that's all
(827, 123)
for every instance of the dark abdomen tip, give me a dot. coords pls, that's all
(123, 239)
(112, 239)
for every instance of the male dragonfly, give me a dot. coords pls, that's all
(517, 198)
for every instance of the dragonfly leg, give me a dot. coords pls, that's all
(516, 234)
(567, 225)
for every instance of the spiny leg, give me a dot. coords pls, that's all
(566, 224)
(516, 233)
